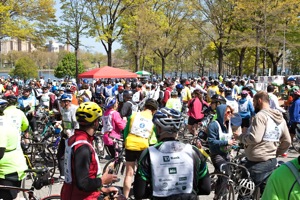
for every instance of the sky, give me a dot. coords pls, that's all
(91, 43)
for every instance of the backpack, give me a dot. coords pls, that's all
(68, 157)
(294, 170)
(134, 106)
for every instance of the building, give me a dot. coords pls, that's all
(14, 44)
(55, 47)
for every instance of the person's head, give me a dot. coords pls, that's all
(151, 105)
(65, 100)
(217, 100)
(296, 94)
(26, 91)
(3, 106)
(261, 100)
(228, 92)
(167, 122)
(179, 87)
(127, 95)
(111, 103)
(45, 88)
(87, 115)
(224, 112)
(291, 80)
(270, 89)
(244, 94)
(197, 93)
(174, 94)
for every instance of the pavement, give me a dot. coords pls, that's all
(57, 186)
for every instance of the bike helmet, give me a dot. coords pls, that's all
(71, 88)
(3, 105)
(66, 97)
(85, 81)
(246, 187)
(27, 88)
(109, 102)
(291, 78)
(9, 87)
(54, 88)
(218, 99)
(151, 104)
(179, 86)
(127, 94)
(88, 112)
(174, 93)
(61, 89)
(168, 120)
(11, 99)
(133, 85)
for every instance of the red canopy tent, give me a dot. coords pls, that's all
(107, 72)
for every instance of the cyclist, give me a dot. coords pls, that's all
(170, 169)
(231, 101)
(294, 113)
(174, 102)
(267, 138)
(113, 124)
(17, 116)
(27, 103)
(128, 106)
(137, 136)
(12, 160)
(283, 183)
(220, 139)
(69, 124)
(82, 169)
(246, 110)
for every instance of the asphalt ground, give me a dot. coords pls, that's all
(57, 186)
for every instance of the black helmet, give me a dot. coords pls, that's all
(11, 99)
(127, 94)
(151, 104)
(9, 87)
(218, 99)
(27, 88)
(228, 91)
(133, 85)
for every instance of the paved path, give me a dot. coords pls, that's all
(57, 187)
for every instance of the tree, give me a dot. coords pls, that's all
(27, 19)
(75, 23)
(25, 68)
(66, 67)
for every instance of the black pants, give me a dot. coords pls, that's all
(60, 156)
(9, 194)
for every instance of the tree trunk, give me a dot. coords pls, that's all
(242, 56)
(163, 62)
(76, 65)
(109, 53)
(220, 59)
(257, 59)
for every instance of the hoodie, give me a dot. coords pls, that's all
(257, 147)
(216, 145)
(246, 113)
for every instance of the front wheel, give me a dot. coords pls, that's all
(115, 165)
(223, 190)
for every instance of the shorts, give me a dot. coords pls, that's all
(9, 194)
(245, 122)
(193, 121)
(132, 156)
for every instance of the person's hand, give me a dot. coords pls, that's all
(110, 190)
(198, 144)
(108, 178)
(232, 142)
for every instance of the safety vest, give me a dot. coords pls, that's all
(142, 126)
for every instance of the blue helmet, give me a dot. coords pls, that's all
(291, 78)
(54, 88)
(66, 97)
(179, 86)
(109, 102)
(85, 81)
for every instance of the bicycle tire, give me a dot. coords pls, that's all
(115, 165)
(27, 183)
(230, 193)
(256, 194)
(296, 144)
(51, 197)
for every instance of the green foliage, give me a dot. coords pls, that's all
(25, 68)
(67, 67)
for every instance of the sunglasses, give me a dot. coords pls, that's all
(228, 112)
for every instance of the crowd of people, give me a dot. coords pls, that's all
(147, 115)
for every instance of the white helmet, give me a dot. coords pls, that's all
(246, 187)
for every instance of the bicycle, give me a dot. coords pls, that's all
(41, 180)
(118, 162)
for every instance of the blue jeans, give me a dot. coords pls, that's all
(260, 171)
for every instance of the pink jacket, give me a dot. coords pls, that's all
(118, 125)
(195, 110)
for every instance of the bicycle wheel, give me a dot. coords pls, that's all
(116, 166)
(222, 191)
(27, 183)
(99, 147)
(296, 144)
(256, 194)
(51, 197)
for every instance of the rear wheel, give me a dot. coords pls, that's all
(118, 167)
(296, 144)
(224, 191)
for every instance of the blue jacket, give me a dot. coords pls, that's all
(214, 141)
(294, 111)
(250, 109)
